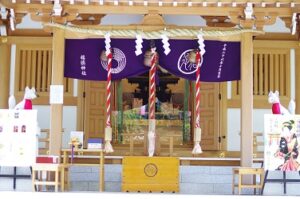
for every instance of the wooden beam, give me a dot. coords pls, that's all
(4, 74)
(6, 3)
(297, 80)
(247, 100)
(276, 36)
(29, 33)
(141, 9)
(28, 40)
(56, 110)
(275, 44)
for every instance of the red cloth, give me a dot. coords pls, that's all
(47, 159)
(276, 108)
(28, 104)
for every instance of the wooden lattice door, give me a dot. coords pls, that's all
(209, 116)
(94, 114)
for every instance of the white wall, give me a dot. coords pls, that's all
(69, 121)
(279, 26)
(121, 19)
(234, 126)
(185, 20)
(28, 23)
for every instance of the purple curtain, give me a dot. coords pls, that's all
(221, 62)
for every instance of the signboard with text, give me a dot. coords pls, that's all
(18, 140)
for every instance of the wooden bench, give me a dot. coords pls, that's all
(37, 175)
(242, 171)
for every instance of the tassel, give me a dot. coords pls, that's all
(108, 147)
(108, 137)
(197, 148)
(151, 143)
(197, 138)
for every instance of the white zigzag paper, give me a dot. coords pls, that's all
(138, 46)
(12, 19)
(294, 23)
(107, 43)
(165, 41)
(201, 44)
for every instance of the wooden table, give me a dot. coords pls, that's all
(79, 153)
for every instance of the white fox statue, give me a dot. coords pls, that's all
(26, 103)
(277, 108)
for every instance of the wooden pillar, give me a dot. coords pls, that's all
(120, 110)
(246, 100)
(297, 79)
(185, 132)
(80, 107)
(58, 47)
(4, 74)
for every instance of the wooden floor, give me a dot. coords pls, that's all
(183, 152)
(178, 151)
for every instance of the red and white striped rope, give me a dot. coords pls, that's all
(108, 90)
(197, 123)
(152, 87)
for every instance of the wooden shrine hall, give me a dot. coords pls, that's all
(265, 60)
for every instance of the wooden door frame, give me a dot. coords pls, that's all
(223, 116)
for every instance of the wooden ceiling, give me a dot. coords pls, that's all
(217, 13)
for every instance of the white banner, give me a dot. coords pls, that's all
(281, 140)
(18, 137)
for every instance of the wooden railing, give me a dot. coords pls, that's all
(271, 71)
(34, 69)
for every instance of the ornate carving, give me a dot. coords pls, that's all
(19, 17)
(218, 21)
(287, 21)
(88, 19)
(46, 15)
(258, 20)
(153, 18)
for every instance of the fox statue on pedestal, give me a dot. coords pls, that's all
(26, 103)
